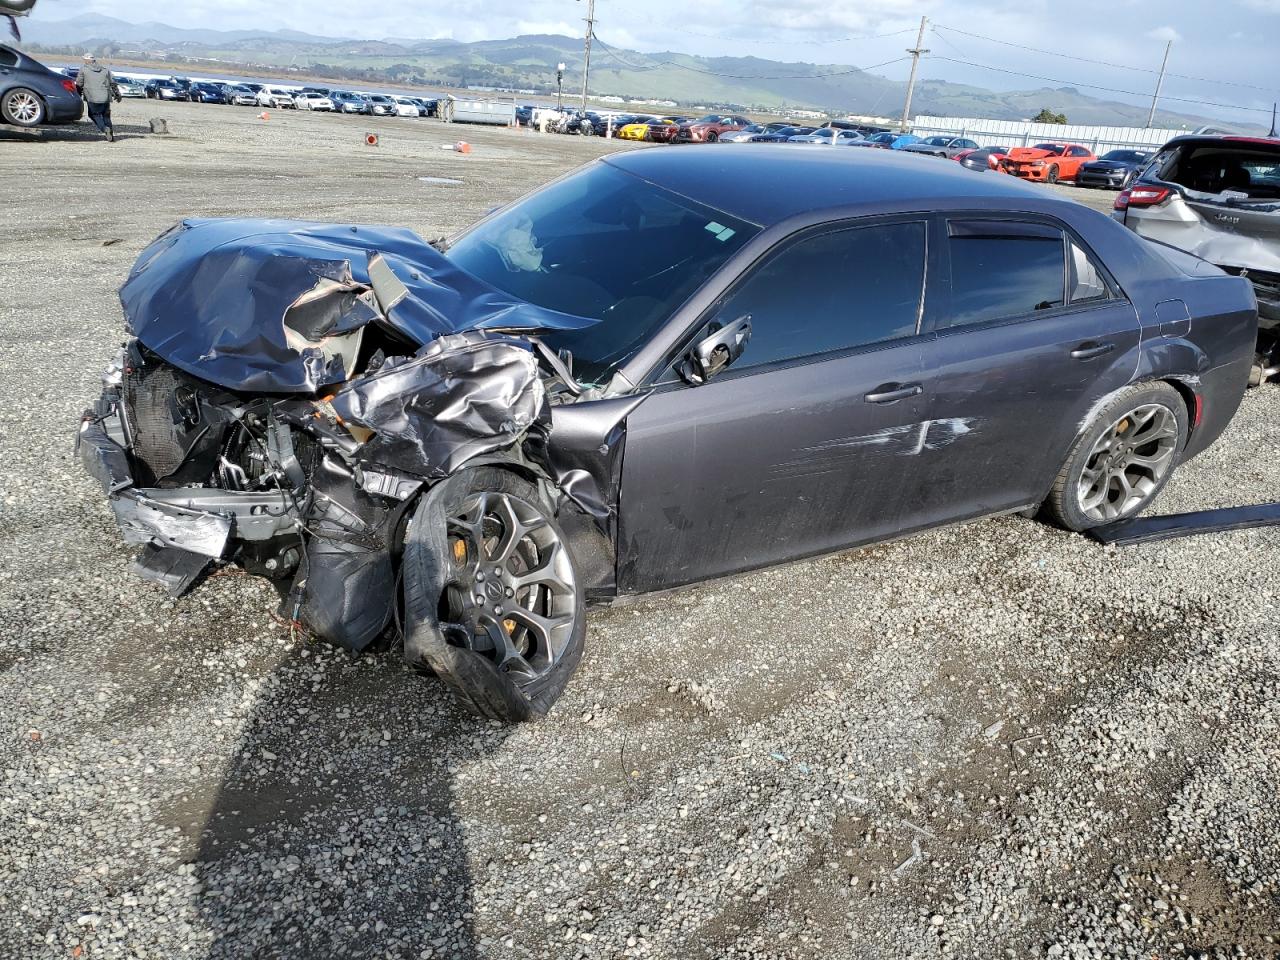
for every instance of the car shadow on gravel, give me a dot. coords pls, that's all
(334, 831)
(76, 133)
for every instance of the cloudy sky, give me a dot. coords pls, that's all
(1223, 51)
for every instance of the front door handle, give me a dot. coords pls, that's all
(1088, 350)
(893, 392)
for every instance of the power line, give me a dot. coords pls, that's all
(734, 76)
(1098, 63)
(774, 41)
(1094, 86)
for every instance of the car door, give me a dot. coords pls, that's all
(804, 444)
(1031, 333)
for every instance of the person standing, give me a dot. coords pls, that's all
(95, 83)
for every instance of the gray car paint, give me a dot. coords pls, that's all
(662, 482)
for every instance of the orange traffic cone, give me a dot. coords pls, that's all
(370, 139)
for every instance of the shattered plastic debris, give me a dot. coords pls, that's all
(274, 305)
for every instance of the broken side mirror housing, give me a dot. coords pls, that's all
(720, 347)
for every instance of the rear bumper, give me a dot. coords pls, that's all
(1220, 390)
(64, 109)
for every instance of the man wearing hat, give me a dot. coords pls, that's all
(98, 87)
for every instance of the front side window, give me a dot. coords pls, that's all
(833, 291)
(1003, 269)
(606, 245)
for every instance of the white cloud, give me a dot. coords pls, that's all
(1165, 35)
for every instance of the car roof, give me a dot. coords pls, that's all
(769, 184)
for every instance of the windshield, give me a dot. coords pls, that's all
(1126, 156)
(1054, 148)
(606, 245)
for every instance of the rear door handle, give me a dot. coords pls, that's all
(892, 392)
(1088, 350)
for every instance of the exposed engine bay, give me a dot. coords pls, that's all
(290, 395)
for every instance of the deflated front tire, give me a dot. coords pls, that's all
(493, 602)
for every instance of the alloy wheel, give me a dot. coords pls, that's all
(1128, 463)
(511, 585)
(25, 108)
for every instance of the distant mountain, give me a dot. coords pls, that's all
(528, 63)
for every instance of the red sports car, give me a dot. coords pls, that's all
(1049, 162)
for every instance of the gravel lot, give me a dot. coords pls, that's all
(993, 740)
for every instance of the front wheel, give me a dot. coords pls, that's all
(1052, 175)
(487, 570)
(712, 137)
(1123, 459)
(22, 107)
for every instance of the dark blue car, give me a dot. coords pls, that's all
(207, 93)
(31, 94)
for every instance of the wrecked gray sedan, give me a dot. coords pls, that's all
(663, 368)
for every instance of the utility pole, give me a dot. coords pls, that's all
(1159, 83)
(586, 59)
(911, 84)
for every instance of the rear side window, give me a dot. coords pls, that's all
(8, 58)
(833, 291)
(1002, 269)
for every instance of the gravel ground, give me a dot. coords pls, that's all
(991, 740)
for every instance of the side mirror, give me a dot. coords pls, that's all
(710, 355)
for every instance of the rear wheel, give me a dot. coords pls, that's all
(500, 585)
(1122, 460)
(22, 107)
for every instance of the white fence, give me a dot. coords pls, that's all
(1021, 133)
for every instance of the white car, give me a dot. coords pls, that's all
(312, 101)
(406, 107)
(277, 98)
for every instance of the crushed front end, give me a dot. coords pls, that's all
(311, 491)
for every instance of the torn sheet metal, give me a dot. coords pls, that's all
(460, 397)
(144, 522)
(1170, 527)
(277, 306)
(174, 569)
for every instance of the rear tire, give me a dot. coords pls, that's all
(510, 655)
(1122, 460)
(22, 108)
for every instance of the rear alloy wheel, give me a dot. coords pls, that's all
(1122, 460)
(22, 107)
(502, 589)
(1052, 175)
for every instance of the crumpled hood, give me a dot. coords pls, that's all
(1030, 153)
(277, 306)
